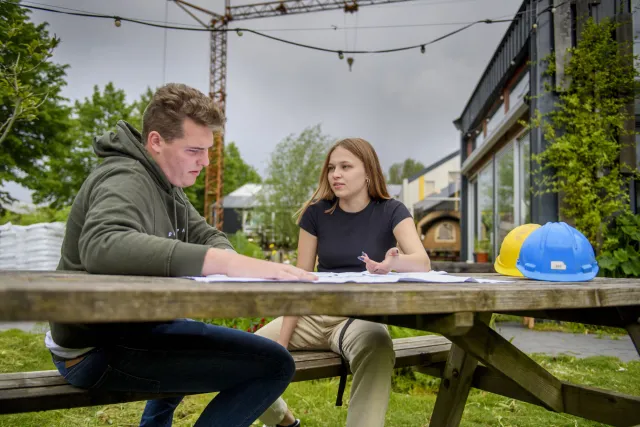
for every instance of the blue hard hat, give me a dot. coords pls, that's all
(557, 252)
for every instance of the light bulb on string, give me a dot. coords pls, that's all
(117, 22)
(239, 33)
(340, 54)
(350, 62)
(422, 49)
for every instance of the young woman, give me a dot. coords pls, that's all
(350, 224)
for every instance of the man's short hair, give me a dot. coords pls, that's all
(171, 104)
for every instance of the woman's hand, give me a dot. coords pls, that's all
(384, 267)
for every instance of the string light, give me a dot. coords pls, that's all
(118, 22)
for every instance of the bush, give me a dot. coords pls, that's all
(248, 324)
(243, 246)
(622, 255)
(38, 216)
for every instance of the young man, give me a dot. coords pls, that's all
(132, 217)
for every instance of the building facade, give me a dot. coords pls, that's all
(430, 180)
(498, 193)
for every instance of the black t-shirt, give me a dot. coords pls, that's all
(343, 236)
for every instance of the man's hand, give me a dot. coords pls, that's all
(219, 261)
(269, 270)
(383, 267)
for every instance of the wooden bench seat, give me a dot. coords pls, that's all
(46, 390)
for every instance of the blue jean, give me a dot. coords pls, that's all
(183, 356)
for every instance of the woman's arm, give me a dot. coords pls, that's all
(307, 250)
(413, 258)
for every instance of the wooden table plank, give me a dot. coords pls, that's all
(63, 297)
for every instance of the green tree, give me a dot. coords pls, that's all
(92, 117)
(138, 107)
(33, 120)
(584, 133)
(406, 169)
(292, 176)
(43, 214)
(236, 173)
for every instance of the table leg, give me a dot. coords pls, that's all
(497, 353)
(634, 333)
(454, 388)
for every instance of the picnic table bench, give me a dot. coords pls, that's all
(471, 354)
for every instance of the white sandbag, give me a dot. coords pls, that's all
(31, 247)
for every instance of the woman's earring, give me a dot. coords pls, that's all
(367, 181)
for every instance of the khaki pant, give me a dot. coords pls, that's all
(368, 348)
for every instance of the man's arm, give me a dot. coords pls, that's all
(114, 239)
(201, 233)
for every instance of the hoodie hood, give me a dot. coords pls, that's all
(126, 142)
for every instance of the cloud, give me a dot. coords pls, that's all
(404, 103)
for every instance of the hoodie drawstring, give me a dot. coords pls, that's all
(186, 215)
(175, 214)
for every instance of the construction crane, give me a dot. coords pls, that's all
(213, 189)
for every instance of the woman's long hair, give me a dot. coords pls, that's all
(363, 151)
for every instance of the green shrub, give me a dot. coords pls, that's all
(243, 246)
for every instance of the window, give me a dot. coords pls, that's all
(525, 179)
(484, 207)
(471, 219)
(505, 193)
(445, 232)
(479, 139)
(500, 197)
(495, 119)
(519, 91)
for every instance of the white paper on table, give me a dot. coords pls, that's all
(363, 277)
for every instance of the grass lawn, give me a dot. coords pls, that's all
(411, 403)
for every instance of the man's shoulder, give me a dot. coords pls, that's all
(124, 169)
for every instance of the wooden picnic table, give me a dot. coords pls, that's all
(459, 311)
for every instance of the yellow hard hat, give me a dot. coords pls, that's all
(510, 250)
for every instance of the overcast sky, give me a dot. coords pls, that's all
(403, 103)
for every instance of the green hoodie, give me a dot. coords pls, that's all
(128, 219)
